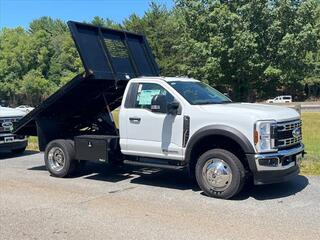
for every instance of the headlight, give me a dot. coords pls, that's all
(264, 136)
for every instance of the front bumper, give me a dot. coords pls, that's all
(17, 142)
(275, 167)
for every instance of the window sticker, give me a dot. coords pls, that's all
(145, 96)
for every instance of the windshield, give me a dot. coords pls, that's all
(198, 93)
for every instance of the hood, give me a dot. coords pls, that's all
(11, 112)
(255, 111)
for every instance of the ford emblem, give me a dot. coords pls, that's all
(7, 125)
(296, 132)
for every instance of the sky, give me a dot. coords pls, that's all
(14, 13)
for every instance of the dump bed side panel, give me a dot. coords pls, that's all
(80, 107)
(113, 54)
(110, 58)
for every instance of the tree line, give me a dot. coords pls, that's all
(251, 49)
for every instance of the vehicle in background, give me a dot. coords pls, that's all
(280, 99)
(164, 122)
(9, 141)
(25, 108)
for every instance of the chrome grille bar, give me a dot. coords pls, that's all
(10, 119)
(285, 136)
(289, 125)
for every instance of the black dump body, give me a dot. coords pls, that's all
(110, 59)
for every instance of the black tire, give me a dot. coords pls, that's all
(68, 151)
(237, 171)
(79, 165)
(19, 150)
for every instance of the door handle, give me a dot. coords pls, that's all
(135, 119)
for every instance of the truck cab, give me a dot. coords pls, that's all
(175, 123)
(8, 140)
(188, 122)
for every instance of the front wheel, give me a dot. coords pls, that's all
(220, 173)
(59, 158)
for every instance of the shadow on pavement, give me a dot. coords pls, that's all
(8, 155)
(274, 191)
(140, 175)
(39, 168)
(180, 180)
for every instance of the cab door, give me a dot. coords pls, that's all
(149, 133)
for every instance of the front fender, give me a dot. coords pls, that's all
(219, 130)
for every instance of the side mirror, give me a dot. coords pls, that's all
(173, 108)
(159, 103)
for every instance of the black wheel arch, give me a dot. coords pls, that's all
(218, 130)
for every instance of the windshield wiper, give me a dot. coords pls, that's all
(210, 102)
(224, 102)
(204, 103)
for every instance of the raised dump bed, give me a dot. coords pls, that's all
(110, 59)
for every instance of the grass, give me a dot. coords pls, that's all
(311, 139)
(33, 144)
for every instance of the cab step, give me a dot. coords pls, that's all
(154, 165)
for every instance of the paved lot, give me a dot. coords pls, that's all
(140, 203)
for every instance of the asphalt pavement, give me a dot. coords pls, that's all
(142, 203)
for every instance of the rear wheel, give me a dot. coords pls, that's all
(220, 173)
(59, 158)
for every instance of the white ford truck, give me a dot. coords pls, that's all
(8, 140)
(173, 123)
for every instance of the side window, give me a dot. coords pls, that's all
(145, 93)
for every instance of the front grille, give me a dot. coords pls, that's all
(288, 133)
(2, 129)
(5, 123)
(10, 119)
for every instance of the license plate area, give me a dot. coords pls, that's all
(8, 139)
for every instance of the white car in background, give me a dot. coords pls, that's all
(281, 99)
(25, 108)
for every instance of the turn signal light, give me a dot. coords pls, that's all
(255, 137)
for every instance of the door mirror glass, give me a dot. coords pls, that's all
(159, 103)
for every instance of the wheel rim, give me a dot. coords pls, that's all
(56, 159)
(217, 174)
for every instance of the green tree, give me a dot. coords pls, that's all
(254, 48)
(51, 26)
(220, 50)
(46, 50)
(160, 26)
(34, 88)
(101, 22)
(65, 61)
(15, 58)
